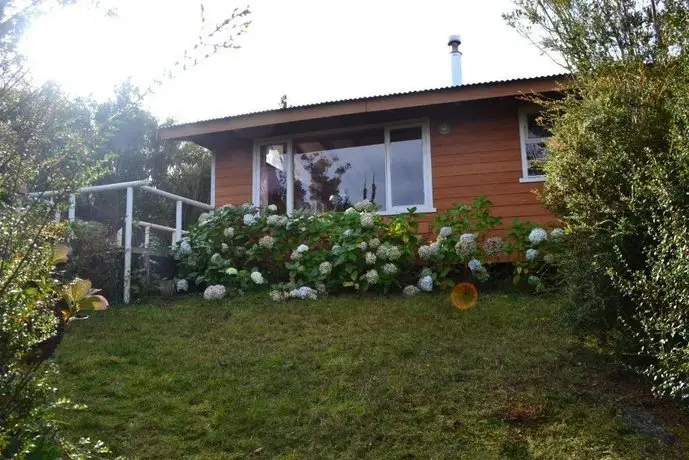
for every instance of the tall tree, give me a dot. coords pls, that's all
(46, 143)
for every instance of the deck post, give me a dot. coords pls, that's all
(128, 224)
(178, 222)
(72, 213)
(212, 200)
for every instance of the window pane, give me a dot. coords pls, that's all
(332, 172)
(406, 166)
(273, 176)
(536, 154)
(535, 130)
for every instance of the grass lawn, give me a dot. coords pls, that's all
(353, 377)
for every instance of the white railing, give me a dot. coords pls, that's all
(129, 218)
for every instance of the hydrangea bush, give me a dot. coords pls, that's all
(463, 246)
(536, 254)
(306, 256)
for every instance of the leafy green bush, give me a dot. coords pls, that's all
(618, 168)
(660, 323)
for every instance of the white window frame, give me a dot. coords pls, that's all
(424, 124)
(524, 139)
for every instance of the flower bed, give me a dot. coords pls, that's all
(235, 249)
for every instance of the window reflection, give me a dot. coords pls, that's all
(332, 172)
(406, 166)
(273, 176)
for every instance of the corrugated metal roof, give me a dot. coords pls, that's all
(379, 96)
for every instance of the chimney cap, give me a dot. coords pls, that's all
(454, 40)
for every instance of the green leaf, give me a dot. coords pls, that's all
(60, 253)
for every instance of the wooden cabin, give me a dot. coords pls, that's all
(425, 149)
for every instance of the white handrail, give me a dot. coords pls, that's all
(164, 228)
(172, 196)
(96, 188)
(177, 231)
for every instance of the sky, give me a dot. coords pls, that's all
(310, 50)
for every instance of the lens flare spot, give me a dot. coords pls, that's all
(464, 296)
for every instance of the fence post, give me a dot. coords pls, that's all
(72, 213)
(178, 222)
(128, 223)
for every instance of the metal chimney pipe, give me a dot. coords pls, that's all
(455, 59)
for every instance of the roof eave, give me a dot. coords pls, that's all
(365, 105)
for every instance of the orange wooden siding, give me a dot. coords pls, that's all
(481, 155)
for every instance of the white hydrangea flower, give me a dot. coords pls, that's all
(350, 211)
(435, 248)
(445, 232)
(249, 219)
(266, 242)
(304, 292)
(363, 205)
(295, 255)
(390, 269)
(182, 285)
(538, 235)
(425, 271)
(229, 232)
(185, 247)
(325, 268)
(426, 284)
(557, 233)
(275, 220)
(493, 246)
(231, 271)
(388, 251)
(371, 276)
(410, 291)
(224, 247)
(466, 244)
(474, 264)
(531, 254)
(370, 258)
(374, 243)
(425, 252)
(277, 296)
(272, 208)
(302, 248)
(336, 249)
(321, 289)
(214, 292)
(203, 218)
(363, 246)
(366, 219)
(256, 277)
(216, 258)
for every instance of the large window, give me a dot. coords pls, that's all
(534, 150)
(330, 171)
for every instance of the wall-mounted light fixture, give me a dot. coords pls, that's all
(444, 128)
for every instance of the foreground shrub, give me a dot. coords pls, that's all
(618, 167)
